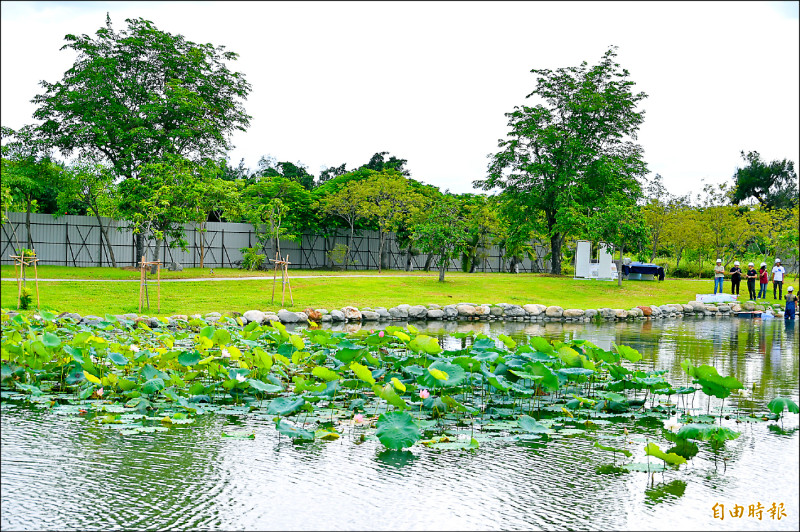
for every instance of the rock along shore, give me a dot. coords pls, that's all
(458, 312)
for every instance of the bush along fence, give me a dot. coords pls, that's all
(78, 241)
(454, 312)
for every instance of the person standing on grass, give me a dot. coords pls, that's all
(736, 278)
(791, 304)
(777, 280)
(763, 278)
(752, 274)
(719, 276)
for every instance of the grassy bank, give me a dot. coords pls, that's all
(88, 297)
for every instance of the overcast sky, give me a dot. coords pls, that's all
(335, 82)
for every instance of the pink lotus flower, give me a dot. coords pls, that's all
(358, 418)
(424, 394)
(99, 392)
(380, 334)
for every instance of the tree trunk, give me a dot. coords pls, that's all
(428, 262)
(139, 248)
(28, 223)
(104, 232)
(680, 254)
(380, 251)
(409, 256)
(619, 268)
(655, 245)
(512, 268)
(155, 256)
(202, 243)
(442, 265)
(347, 257)
(555, 253)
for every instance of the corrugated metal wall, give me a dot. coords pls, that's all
(77, 241)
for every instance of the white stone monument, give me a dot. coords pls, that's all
(583, 260)
(604, 261)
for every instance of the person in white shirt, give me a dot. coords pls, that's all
(777, 280)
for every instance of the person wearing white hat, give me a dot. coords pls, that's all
(777, 280)
(763, 279)
(791, 304)
(736, 278)
(719, 276)
(752, 274)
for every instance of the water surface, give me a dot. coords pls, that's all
(59, 472)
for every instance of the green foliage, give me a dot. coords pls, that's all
(773, 185)
(573, 152)
(136, 95)
(779, 404)
(25, 298)
(443, 231)
(251, 259)
(397, 430)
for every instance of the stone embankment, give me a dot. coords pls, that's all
(462, 312)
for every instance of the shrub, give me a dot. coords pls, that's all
(25, 299)
(252, 260)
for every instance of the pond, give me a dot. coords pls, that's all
(59, 472)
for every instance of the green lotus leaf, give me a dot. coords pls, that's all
(362, 372)
(325, 373)
(264, 387)
(541, 345)
(704, 432)
(75, 353)
(296, 433)
(528, 424)
(397, 430)
(568, 356)
(153, 385)
(239, 435)
(549, 380)
(779, 404)
(671, 458)
(51, 340)
(189, 358)
(454, 375)
(482, 344)
(509, 343)
(29, 388)
(119, 359)
(285, 406)
(628, 353)
(613, 449)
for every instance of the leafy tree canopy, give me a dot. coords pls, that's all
(773, 185)
(568, 152)
(137, 95)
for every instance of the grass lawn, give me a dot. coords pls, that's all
(87, 297)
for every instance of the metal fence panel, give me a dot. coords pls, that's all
(77, 241)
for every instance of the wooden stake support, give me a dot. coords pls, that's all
(143, 264)
(284, 266)
(22, 261)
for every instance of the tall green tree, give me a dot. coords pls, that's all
(29, 174)
(378, 163)
(135, 96)
(269, 167)
(560, 152)
(443, 230)
(278, 208)
(389, 200)
(773, 185)
(91, 184)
